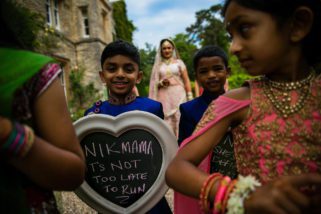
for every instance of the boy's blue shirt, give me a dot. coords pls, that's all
(191, 113)
(140, 103)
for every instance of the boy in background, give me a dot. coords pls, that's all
(120, 62)
(211, 71)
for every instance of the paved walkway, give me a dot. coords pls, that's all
(69, 203)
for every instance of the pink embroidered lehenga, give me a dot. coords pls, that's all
(267, 144)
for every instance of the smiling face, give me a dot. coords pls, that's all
(211, 74)
(167, 49)
(121, 74)
(259, 43)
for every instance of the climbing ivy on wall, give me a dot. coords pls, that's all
(82, 96)
(124, 27)
(26, 29)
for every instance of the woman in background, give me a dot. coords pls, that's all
(169, 83)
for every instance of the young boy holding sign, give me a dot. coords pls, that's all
(120, 62)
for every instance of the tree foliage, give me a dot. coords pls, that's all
(238, 75)
(82, 96)
(209, 28)
(147, 56)
(124, 28)
(26, 29)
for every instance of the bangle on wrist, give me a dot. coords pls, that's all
(189, 95)
(206, 189)
(19, 142)
(160, 84)
(30, 139)
(220, 194)
(226, 196)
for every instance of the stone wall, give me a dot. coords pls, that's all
(88, 56)
(74, 49)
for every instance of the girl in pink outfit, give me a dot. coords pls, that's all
(275, 118)
(169, 82)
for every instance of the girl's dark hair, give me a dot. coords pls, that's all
(282, 10)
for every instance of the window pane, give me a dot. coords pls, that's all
(85, 21)
(48, 11)
(56, 13)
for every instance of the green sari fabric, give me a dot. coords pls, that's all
(16, 67)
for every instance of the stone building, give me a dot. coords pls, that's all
(84, 28)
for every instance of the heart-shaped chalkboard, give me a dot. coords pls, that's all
(126, 158)
(123, 168)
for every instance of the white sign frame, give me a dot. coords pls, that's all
(116, 126)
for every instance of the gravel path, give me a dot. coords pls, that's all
(69, 203)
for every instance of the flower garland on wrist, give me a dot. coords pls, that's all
(242, 190)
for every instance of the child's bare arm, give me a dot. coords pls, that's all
(55, 160)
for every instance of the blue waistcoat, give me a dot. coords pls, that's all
(191, 113)
(140, 103)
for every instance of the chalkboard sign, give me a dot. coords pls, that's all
(126, 158)
(223, 159)
(118, 166)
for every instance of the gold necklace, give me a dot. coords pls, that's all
(279, 93)
(167, 61)
(168, 68)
